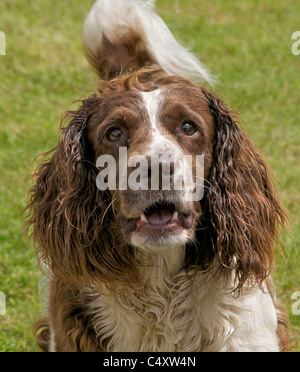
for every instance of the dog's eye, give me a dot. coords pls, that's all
(114, 134)
(188, 128)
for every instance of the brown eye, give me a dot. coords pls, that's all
(188, 128)
(114, 134)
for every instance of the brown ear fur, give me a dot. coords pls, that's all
(241, 208)
(71, 218)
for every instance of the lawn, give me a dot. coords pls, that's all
(245, 43)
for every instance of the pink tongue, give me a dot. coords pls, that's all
(159, 218)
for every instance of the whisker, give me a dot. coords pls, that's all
(106, 210)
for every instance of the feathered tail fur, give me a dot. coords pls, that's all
(125, 35)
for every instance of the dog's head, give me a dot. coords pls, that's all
(153, 166)
(148, 140)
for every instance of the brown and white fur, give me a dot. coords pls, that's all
(150, 270)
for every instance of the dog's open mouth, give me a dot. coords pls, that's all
(160, 216)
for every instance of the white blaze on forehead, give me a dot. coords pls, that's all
(159, 143)
(152, 101)
(164, 143)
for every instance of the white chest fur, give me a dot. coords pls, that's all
(184, 313)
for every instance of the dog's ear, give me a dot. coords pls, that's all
(71, 218)
(241, 207)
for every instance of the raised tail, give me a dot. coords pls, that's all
(122, 36)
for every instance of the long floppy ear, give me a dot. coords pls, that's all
(71, 218)
(241, 206)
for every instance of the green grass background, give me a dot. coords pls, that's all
(245, 43)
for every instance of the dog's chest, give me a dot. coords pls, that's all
(152, 320)
(184, 314)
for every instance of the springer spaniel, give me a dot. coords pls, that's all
(162, 268)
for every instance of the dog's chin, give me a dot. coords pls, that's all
(163, 242)
(160, 227)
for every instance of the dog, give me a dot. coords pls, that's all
(138, 268)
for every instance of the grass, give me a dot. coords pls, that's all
(246, 44)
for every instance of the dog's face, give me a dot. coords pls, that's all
(151, 133)
(160, 131)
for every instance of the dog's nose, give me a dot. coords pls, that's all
(161, 170)
(163, 162)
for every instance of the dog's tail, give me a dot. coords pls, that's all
(122, 36)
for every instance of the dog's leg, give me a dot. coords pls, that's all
(71, 328)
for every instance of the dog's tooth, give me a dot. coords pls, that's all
(143, 218)
(175, 216)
